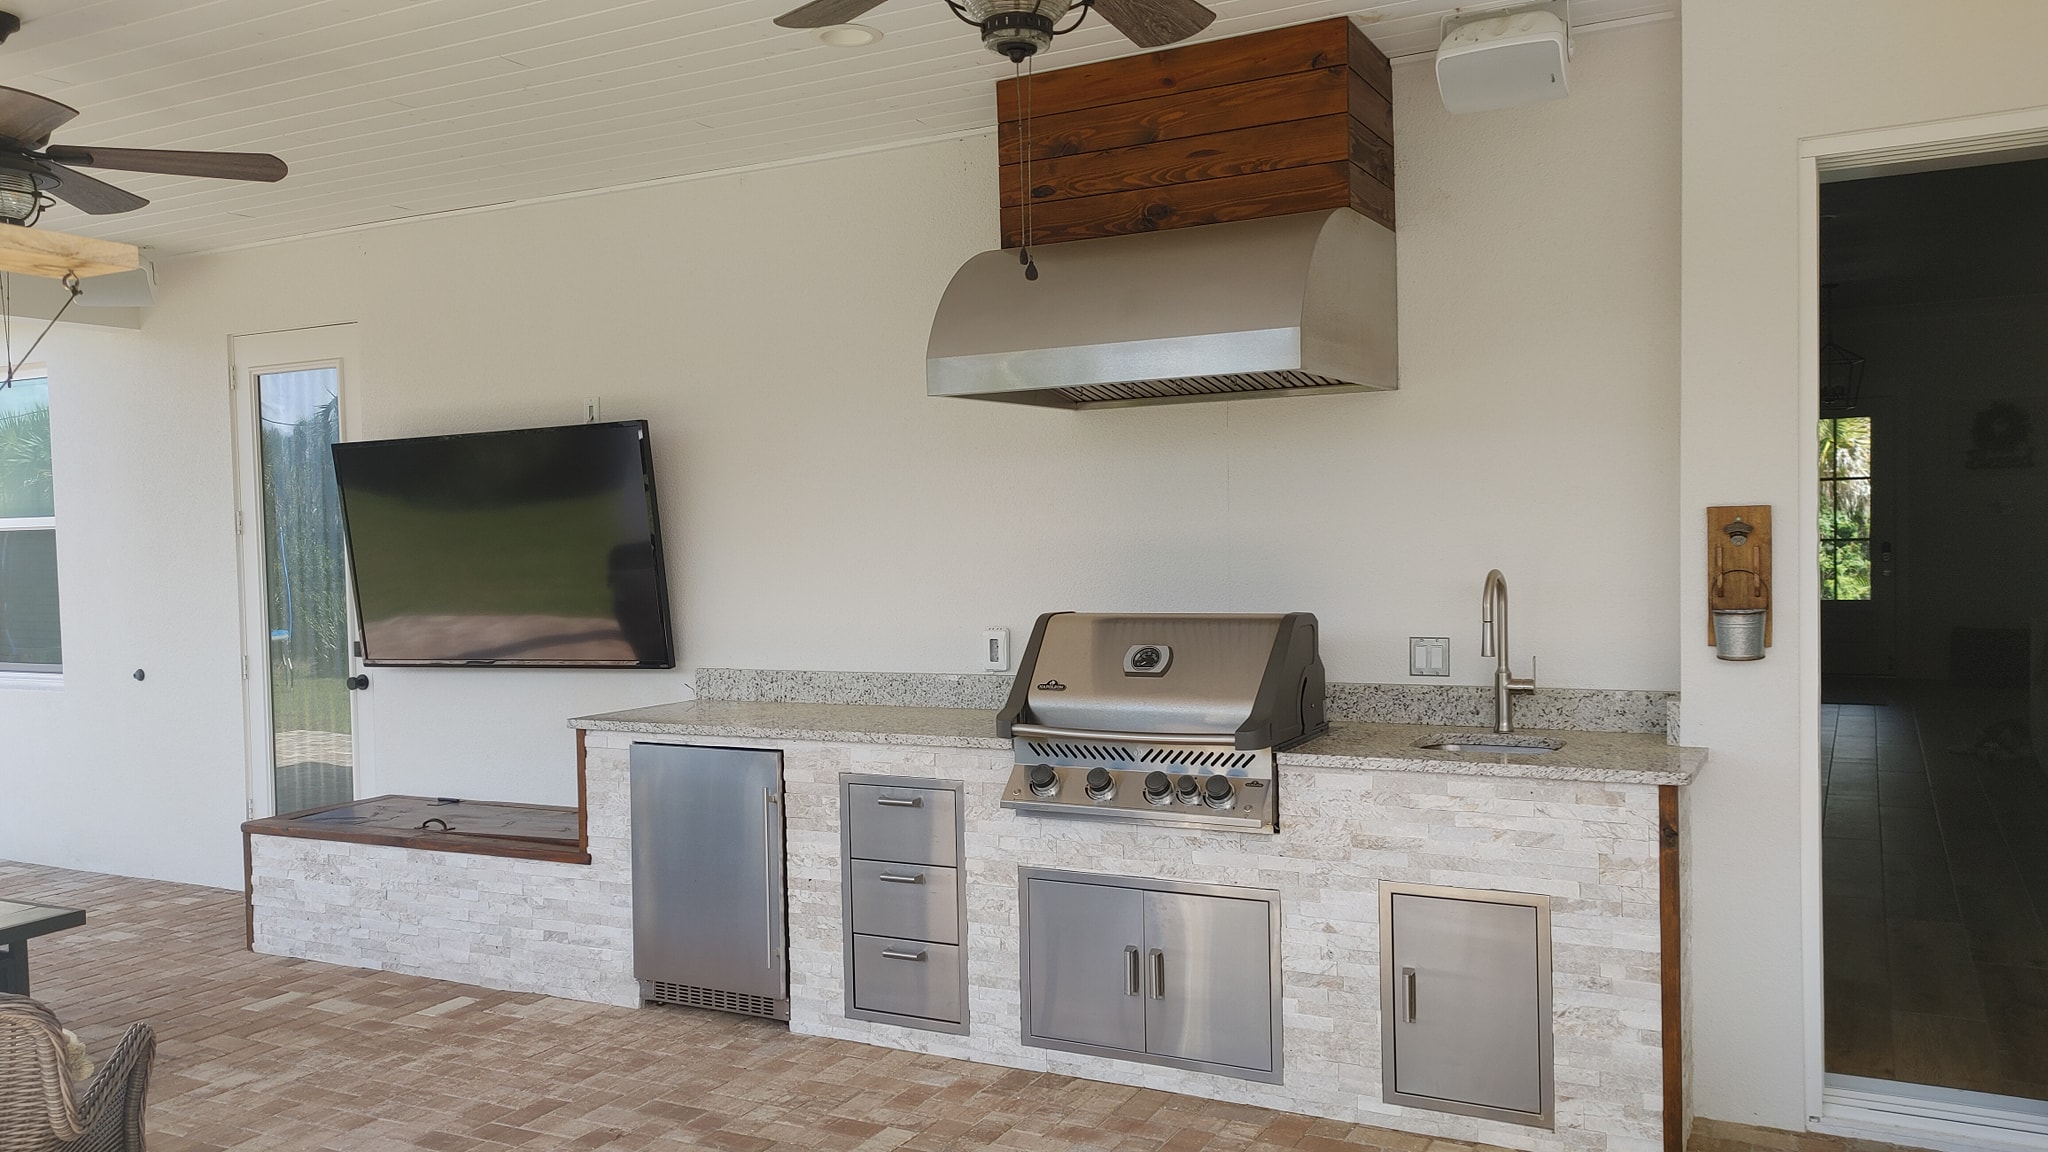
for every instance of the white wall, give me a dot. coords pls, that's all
(1760, 76)
(824, 513)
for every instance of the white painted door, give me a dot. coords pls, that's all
(306, 695)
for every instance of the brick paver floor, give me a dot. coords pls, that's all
(263, 1053)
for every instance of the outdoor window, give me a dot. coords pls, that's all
(28, 532)
(1845, 508)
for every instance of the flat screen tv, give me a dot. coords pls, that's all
(539, 547)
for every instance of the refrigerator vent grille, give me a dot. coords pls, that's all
(691, 996)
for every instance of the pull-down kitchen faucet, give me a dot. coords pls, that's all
(1493, 641)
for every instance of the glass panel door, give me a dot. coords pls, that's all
(305, 576)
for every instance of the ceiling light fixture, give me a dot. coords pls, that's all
(849, 35)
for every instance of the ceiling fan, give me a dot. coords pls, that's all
(31, 168)
(1021, 28)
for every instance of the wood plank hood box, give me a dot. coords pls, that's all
(1271, 124)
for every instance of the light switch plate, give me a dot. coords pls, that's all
(1429, 656)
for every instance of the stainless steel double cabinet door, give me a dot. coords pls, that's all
(1180, 977)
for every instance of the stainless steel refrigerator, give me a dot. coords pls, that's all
(710, 917)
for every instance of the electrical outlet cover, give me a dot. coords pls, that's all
(1429, 656)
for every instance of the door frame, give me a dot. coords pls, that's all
(259, 753)
(1911, 1115)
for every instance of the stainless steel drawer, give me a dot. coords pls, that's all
(913, 901)
(907, 825)
(907, 978)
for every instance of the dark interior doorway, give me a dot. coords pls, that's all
(1934, 627)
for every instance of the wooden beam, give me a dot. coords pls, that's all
(1252, 196)
(1670, 945)
(1300, 48)
(1265, 148)
(57, 254)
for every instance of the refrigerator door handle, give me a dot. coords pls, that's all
(768, 855)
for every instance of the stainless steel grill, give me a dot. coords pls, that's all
(1166, 719)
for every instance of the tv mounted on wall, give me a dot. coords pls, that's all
(539, 547)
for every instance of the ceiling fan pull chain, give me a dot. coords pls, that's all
(1024, 251)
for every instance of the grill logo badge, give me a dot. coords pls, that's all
(1052, 686)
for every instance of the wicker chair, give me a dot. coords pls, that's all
(42, 1110)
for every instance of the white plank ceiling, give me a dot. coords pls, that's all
(388, 109)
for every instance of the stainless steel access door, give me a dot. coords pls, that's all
(1467, 1002)
(1208, 979)
(709, 912)
(1085, 964)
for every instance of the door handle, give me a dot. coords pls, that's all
(1408, 992)
(353, 683)
(900, 801)
(768, 871)
(893, 954)
(1131, 970)
(897, 878)
(1884, 560)
(1158, 974)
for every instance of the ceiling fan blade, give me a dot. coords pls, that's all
(1155, 23)
(28, 118)
(90, 195)
(825, 13)
(218, 165)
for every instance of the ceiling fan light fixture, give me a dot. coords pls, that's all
(21, 201)
(849, 35)
(1016, 28)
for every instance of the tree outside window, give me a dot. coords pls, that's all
(1845, 476)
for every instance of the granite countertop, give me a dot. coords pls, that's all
(833, 723)
(1600, 757)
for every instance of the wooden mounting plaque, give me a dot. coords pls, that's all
(56, 254)
(1739, 575)
(1291, 120)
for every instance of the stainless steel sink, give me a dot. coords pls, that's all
(1502, 743)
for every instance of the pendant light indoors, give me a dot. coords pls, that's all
(1841, 371)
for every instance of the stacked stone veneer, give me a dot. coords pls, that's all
(525, 925)
(1591, 847)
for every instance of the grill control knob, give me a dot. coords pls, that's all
(1187, 789)
(1044, 780)
(1101, 785)
(1158, 788)
(1216, 791)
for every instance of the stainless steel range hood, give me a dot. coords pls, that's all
(1287, 305)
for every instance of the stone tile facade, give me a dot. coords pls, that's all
(519, 925)
(566, 929)
(1591, 847)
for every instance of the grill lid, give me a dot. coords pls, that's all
(1255, 680)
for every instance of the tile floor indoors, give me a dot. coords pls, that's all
(1935, 882)
(258, 1052)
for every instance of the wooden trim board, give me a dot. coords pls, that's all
(1670, 943)
(54, 255)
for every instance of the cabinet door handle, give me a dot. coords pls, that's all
(768, 853)
(899, 878)
(1408, 992)
(1158, 974)
(1131, 970)
(893, 954)
(900, 801)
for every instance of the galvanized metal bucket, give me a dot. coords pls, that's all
(1739, 633)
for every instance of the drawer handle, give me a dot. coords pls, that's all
(900, 801)
(1131, 970)
(1158, 974)
(893, 954)
(899, 878)
(1408, 992)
